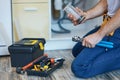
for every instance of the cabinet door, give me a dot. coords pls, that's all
(30, 20)
(28, 1)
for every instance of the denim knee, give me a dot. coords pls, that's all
(80, 70)
(77, 49)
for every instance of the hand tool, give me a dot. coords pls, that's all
(53, 60)
(21, 70)
(101, 43)
(46, 64)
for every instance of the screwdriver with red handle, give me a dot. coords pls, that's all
(21, 70)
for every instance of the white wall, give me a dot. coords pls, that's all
(5, 26)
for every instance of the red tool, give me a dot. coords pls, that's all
(53, 60)
(21, 70)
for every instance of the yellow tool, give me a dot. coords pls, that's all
(36, 68)
(46, 67)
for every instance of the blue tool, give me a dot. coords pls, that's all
(101, 43)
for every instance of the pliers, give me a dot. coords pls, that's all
(101, 43)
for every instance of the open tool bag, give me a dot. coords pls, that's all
(42, 66)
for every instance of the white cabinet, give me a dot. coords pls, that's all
(5, 26)
(30, 19)
(29, 1)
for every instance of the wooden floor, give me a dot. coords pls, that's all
(63, 73)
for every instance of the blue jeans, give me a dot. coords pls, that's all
(89, 62)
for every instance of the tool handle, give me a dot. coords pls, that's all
(27, 66)
(40, 58)
(35, 61)
(106, 42)
(104, 45)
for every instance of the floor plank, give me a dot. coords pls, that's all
(64, 73)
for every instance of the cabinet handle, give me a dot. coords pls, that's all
(30, 9)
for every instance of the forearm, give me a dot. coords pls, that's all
(98, 10)
(111, 25)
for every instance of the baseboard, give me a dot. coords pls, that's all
(4, 51)
(59, 44)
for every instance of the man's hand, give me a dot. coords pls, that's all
(74, 20)
(91, 40)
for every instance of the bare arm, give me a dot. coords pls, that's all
(93, 39)
(98, 10)
(113, 24)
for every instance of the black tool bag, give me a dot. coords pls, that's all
(26, 50)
